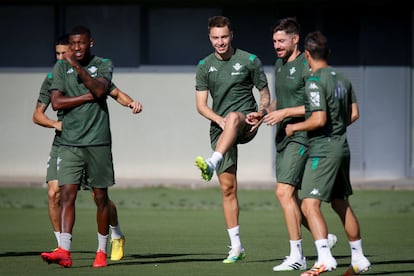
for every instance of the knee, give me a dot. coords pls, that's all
(53, 193)
(340, 206)
(101, 198)
(279, 194)
(234, 118)
(228, 190)
(285, 192)
(305, 208)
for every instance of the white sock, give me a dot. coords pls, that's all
(116, 232)
(296, 249)
(323, 250)
(65, 241)
(234, 234)
(215, 158)
(356, 249)
(102, 242)
(57, 237)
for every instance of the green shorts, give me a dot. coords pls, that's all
(326, 174)
(93, 162)
(51, 170)
(290, 164)
(230, 157)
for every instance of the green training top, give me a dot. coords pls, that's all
(87, 124)
(230, 82)
(290, 80)
(330, 91)
(44, 98)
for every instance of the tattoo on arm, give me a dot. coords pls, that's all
(264, 99)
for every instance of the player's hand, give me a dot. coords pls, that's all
(135, 106)
(289, 130)
(58, 125)
(274, 117)
(255, 119)
(221, 122)
(70, 57)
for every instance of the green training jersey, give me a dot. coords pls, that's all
(330, 91)
(87, 124)
(290, 80)
(44, 98)
(230, 82)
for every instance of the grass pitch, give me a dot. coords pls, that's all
(182, 232)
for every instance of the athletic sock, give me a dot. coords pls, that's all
(234, 234)
(323, 250)
(102, 242)
(57, 237)
(116, 232)
(65, 241)
(296, 249)
(356, 249)
(215, 158)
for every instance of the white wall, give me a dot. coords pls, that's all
(157, 146)
(386, 121)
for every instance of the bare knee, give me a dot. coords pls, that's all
(100, 197)
(53, 191)
(228, 190)
(340, 206)
(234, 118)
(285, 192)
(309, 206)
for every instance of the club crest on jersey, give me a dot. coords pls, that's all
(93, 70)
(237, 67)
(212, 69)
(292, 70)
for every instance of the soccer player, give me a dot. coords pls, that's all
(229, 75)
(85, 147)
(40, 118)
(330, 106)
(291, 70)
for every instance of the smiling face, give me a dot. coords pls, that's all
(285, 44)
(220, 38)
(80, 45)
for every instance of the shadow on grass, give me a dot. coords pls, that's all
(32, 253)
(172, 258)
(373, 271)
